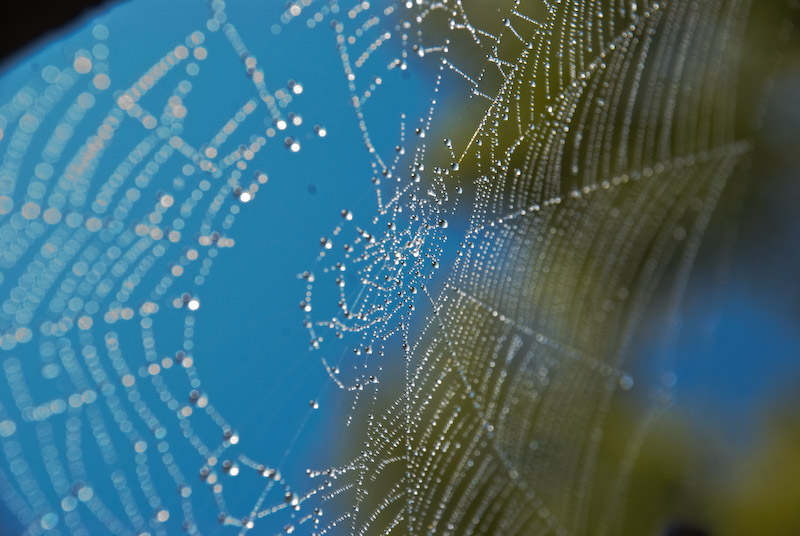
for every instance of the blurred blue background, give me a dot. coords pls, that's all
(252, 350)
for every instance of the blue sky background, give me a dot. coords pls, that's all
(252, 349)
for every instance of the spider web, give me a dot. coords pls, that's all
(547, 169)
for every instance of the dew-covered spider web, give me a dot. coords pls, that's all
(471, 202)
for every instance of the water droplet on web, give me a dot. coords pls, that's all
(292, 144)
(295, 87)
(625, 382)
